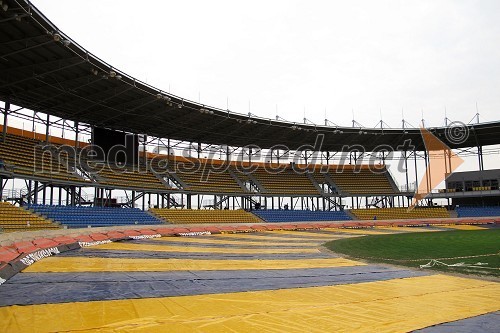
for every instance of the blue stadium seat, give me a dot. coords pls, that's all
(478, 211)
(301, 215)
(82, 217)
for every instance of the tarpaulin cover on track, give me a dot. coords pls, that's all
(487, 323)
(184, 249)
(54, 287)
(393, 305)
(68, 264)
(192, 255)
(270, 281)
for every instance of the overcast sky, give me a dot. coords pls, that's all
(361, 57)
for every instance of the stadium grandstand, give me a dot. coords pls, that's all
(135, 156)
(105, 180)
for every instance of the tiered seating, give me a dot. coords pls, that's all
(82, 217)
(362, 182)
(179, 216)
(478, 211)
(301, 215)
(128, 177)
(13, 218)
(400, 213)
(320, 178)
(244, 178)
(24, 156)
(199, 176)
(286, 182)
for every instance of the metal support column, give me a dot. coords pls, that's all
(30, 196)
(44, 195)
(145, 153)
(47, 128)
(480, 157)
(427, 179)
(416, 171)
(73, 195)
(76, 136)
(5, 114)
(406, 172)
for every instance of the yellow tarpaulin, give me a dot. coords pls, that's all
(277, 238)
(313, 235)
(399, 305)
(199, 249)
(463, 227)
(79, 264)
(363, 231)
(213, 240)
(407, 229)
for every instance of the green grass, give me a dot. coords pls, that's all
(415, 249)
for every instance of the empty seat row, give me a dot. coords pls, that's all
(25, 156)
(94, 216)
(301, 215)
(478, 211)
(13, 218)
(180, 216)
(400, 213)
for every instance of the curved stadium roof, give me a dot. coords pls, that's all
(44, 70)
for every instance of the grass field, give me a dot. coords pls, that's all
(415, 249)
